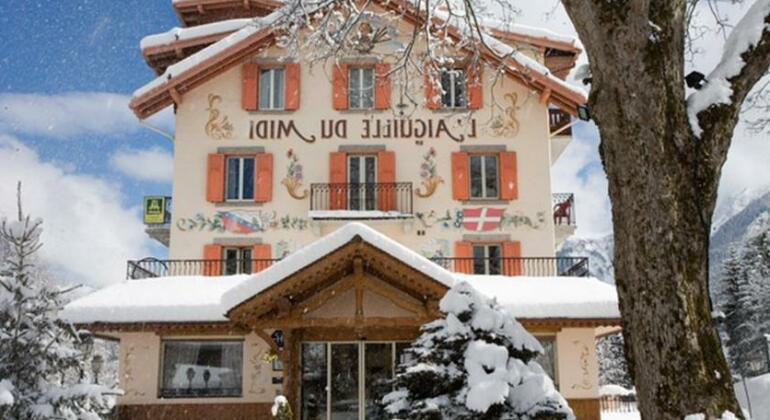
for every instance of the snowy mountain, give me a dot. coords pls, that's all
(733, 231)
(599, 252)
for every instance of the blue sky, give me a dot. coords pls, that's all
(67, 70)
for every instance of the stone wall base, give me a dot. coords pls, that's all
(204, 411)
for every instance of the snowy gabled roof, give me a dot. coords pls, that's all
(182, 34)
(209, 299)
(223, 54)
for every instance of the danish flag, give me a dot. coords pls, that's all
(482, 219)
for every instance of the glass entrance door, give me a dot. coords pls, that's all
(345, 381)
(362, 177)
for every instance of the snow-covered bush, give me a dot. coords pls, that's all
(477, 363)
(281, 409)
(40, 368)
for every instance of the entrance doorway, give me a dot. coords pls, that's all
(346, 380)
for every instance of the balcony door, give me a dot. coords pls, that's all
(345, 380)
(362, 179)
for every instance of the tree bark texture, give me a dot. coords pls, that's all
(662, 184)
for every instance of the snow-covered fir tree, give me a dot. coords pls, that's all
(41, 371)
(746, 293)
(613, 367)
(476, 363)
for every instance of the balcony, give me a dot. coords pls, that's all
(152, 267)
(365, 201)
(522, 266)
(157, 218)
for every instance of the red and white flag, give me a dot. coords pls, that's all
(482, 219)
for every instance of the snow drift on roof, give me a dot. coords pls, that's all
(181, 34)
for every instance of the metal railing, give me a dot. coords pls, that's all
(564, 209)
(152, 267)
(379, 200)
(519, 266)
(558, 119)
(618, 403)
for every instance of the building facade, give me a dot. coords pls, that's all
(322, 208)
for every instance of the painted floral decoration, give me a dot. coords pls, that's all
(293, 179)
(429, 174)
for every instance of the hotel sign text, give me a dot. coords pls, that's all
(370, 129)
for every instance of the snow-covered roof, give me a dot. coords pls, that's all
(208, 299)
(155, 90)
(182, 34)
(549, 297)
(531, 32)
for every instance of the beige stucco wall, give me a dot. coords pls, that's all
(534, 226)
(140, 364)
(578, 369)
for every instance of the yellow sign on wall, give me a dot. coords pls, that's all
(154, 210)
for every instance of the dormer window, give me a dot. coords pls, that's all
(453, 86)
(271, 89)
(361, 87)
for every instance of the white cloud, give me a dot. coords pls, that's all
(72, 114)
(153, 164)
(579, 171)
(87, 233)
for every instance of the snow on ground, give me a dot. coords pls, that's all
(621, 416)
(759, 396)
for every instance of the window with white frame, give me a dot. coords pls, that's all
(484, 176)
(237, 260)
(487, 259)
(271, 89)
(453, 89)
(240, 178)
(202, 368)
(361, 87)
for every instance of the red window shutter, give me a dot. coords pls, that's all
(212, 260)
(340, 86)
(215, 179)
(511, 261)
(509, 185)
(432, 95)
(460, 182)
(250, 87)
(291, 97)
(338, 178)
(382, 86)
(260, 255)
(475, 84)
(263, 181)
(464, 255)
(386, 177)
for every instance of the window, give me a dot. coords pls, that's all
(202, 369)
(240, 178)
(237, 260)
(271, 89)
(453, 87)
(484, 176)
(361, 88)
(547, 360)
(362, 179)
(487, 259)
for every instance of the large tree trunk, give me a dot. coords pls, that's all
(662, 185)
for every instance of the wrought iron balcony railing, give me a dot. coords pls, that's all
(558, 120)
(520, 266)
(152, 267)
(524, 266)
(564, 209)
(361, 201)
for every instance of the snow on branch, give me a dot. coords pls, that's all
(743, 39)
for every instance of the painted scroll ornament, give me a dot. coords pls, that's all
(429, 174)
(217, 127)
(507, 125)
(293, 179)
